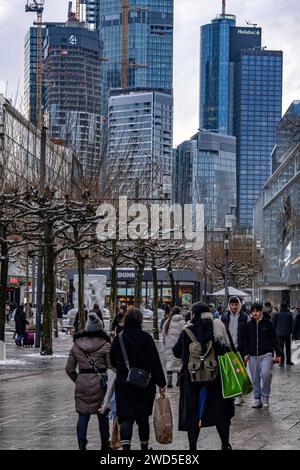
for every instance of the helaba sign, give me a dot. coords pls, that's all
(252, 32)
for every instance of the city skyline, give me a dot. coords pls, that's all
(280, 32)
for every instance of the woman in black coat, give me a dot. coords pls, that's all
(21, 322)
(133, 403)
(217, 411)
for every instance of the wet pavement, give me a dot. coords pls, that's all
(37, 407)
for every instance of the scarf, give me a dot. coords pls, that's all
(220, 333)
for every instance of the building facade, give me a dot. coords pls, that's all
(206, 174)
(277, 215)
(183, 158)
(241, 95)
(30, 68)
(20, 152)
(73, 91)
(187, 290)
(140, 144)
(258, 106)
(148, 43)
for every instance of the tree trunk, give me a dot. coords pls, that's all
(55, 322)
(138, 284)
(113, 283)
(155, 300)
(3, 286)
(80, 265)
(50, 291)
(173, 284)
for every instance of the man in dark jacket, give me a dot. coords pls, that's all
(283, 323)
(236, 321)
(296, 329)
(260, 343)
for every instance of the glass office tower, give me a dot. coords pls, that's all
(30, 65)
(215, 74)
(258, 98)
(240, 95)
(150, 44)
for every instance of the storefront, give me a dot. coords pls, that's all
(187, 286)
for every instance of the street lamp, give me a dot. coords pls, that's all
(228, 223)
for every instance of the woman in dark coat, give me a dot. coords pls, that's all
(217, 411)
(133, 403)
(21, 322)
(88, 392)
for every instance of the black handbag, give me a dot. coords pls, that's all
(138, 377)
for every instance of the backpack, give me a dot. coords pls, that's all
(203, 369)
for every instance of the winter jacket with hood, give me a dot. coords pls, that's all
(88, 392)
(261, 338)
(238, 343)
(170, 338)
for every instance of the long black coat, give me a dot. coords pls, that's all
(217, 410)
(21, 322)
(133, 402)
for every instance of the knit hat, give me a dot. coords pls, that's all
(93, 323)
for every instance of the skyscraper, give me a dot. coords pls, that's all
(30, 68)
(240, 95)
(140, 143)
(257, 112)
(138, 43)
(205, 172)
(73, 90)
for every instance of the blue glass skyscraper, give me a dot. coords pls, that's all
(240, 95)
(149, 44)
(257, 106)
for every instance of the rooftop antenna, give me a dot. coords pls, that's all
(223, 7)
(251, 24)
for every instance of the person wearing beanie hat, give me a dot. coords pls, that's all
(91, 346)
(93, 323)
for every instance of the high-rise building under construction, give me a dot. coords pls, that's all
(73, 90)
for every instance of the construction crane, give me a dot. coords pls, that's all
(126, 65)
(38, 8)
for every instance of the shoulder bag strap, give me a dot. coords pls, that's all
(190, 335)
(121, 341)
(194, 340)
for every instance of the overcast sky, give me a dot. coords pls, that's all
(279, 19)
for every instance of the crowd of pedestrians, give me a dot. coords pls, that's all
(261, 337)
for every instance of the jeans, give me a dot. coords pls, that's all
(261, 373)
(82, 426)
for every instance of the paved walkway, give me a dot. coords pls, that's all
(37, 407)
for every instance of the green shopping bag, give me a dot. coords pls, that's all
(234, 376)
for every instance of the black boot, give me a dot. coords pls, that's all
(82, 444)
(169, 377)
(228, 447)
(105, 446)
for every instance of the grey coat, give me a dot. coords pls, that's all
(88, 392)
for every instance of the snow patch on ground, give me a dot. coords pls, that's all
(11, 362)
